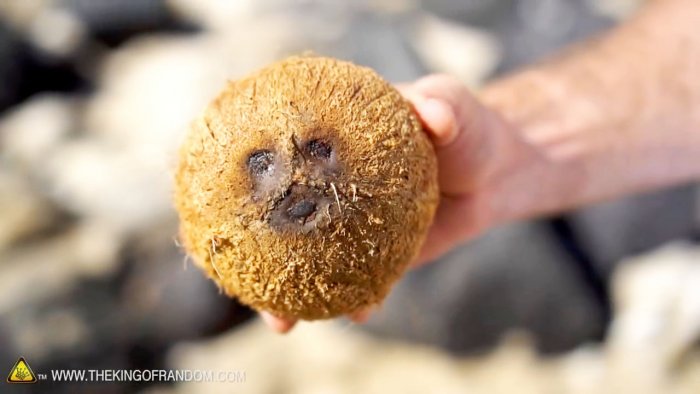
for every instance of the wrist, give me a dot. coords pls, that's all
(529, 177)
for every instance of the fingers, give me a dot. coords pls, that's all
(279, 325)
(361, 316)
(283, 326)
(439, 240)
(456, 220)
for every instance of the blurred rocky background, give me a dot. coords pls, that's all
(94, 98)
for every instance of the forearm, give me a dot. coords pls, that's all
(611, 117)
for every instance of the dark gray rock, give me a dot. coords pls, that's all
(26, 70)
(613, 230)
(113, 22)
(512, 277)
(526, 29)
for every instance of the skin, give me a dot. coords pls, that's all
(611, 117)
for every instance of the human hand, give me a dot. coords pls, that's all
(469, 144)
(472, 146)
(581, 127)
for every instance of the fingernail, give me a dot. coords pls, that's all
(440, 118)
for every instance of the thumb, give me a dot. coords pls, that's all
(459, 128)
(437, 115)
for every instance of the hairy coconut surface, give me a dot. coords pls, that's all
(306, 188)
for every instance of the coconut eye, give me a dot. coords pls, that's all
(261, 162)
(319, 149)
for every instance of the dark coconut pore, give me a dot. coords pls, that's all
(298, 207)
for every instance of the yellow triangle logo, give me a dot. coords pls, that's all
(21, 373)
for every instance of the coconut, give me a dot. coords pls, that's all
(306, 188)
